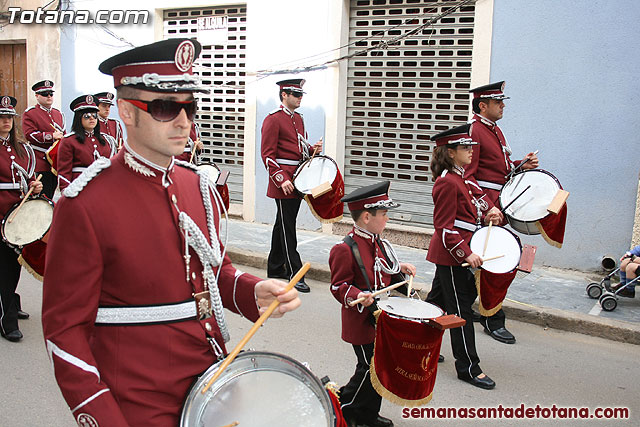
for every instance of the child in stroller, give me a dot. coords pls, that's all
(629, 270)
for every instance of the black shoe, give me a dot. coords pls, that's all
(476, 317)
(381, 421)
(303, 287)
(13, 336)
(279, 276)
(502, 335)
(485, 383)
(626, 292)
(23, 315)
(440, 359)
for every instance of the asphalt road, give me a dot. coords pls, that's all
(545, 367)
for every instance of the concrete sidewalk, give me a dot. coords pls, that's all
(549, 297)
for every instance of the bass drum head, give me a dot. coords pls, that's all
(532, 205)
(31, 222)
(212, 169)
(314, 172)
(501, 242)
(408, 308)
(259, 389)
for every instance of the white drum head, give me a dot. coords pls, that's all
(315, 172)
(31, 222)
(532, 205)
(409, 308)
(212, 169)
(259, 389)
(501, 242)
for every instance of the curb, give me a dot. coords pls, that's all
(615, 330)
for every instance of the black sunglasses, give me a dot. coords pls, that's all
(46, 93)
(90, 116)
(296, 94)
(164, 110)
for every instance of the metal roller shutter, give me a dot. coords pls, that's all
(400, 96)
(222, 67)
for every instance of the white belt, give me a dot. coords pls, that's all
(465, 225)
(78, 169)
(9, 186)
(288, 162)
(147, 314)
(35, 147)
(490, 185)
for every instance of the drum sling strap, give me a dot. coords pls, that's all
(356, 254)
(396, 278)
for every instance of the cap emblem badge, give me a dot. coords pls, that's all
(89, 99)
(185, 54)
(6, 102)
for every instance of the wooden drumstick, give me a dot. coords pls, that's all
(486, 239)
(378, 292)
(24, 199)
(466, 264)
(410, 286)
(193, 150)
(233, 424)
(55, 129)
(298, 276)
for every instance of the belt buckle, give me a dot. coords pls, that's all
(203, 305)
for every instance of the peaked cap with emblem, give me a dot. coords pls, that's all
(374, 196)
(104, 98)
(459, 135)
(43, 86)
(292, 85)
(83, 103)
(164, 66)
(8, 105)
(490, 91)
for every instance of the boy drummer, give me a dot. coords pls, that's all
(363, 251)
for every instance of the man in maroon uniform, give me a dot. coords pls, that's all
(363, 249)
(490, 166)
(42, 125)
(284, 146)
(138, 277)
(111, 127)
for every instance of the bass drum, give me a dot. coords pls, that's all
(259, 389)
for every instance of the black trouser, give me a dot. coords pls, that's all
(454, 291)
(9, 300)
(494, 322)
(284, 259)
(49, 183)
(359, 400)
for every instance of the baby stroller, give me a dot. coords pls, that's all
(608, 298)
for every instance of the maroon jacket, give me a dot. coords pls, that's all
(37, 125)
(122, 233)
(454, 217)
(10, 188)
(491, 160)
(74, 157)
(283, 142)
(347, 282)
(113, 128)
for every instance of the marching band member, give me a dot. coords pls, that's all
(490, 166)
(363, 251)
(108, 126)
(17, 164)
(284, 146)
(42, 126)
(85, 144)
(459, 206)
(131, 326)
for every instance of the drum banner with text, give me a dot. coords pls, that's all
(328, 208)
(405, 360)
(552, 227)
(492, 289)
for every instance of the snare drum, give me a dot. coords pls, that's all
(214, 175)
(315, 172)
(30, 224)
(320, 180)
(501, 242)
(259, 389)
(532, 205)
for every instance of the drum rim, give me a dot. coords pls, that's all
(197, 386)
(6, 216)
(415, 319)
(299, 168)
(518, 174)
(507, 230)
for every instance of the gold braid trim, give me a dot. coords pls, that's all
(547, 239)
(318, 217)
(27, 267)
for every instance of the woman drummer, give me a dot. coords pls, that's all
(17, 163)
(84, 145)
(459, 207)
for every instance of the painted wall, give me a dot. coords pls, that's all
(572, 73)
